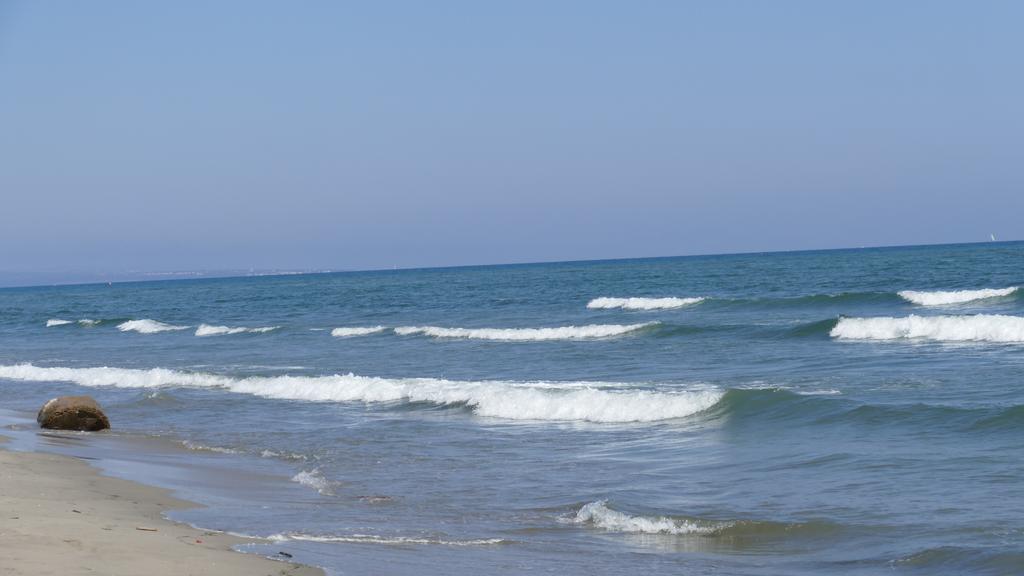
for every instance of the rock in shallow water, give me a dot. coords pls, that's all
(73, 413)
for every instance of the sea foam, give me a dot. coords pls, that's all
(944, 298)
(642, 303)
(977, 328)
(208, 330)
(392, 540)
(204, 448)
(599, 515)
(588, 332)
(348, 332)
(147, 326)
(558, 401)
(82, 322)
(315, 480)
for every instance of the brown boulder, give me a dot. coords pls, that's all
(72, 413)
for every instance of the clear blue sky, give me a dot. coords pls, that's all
(204, 135)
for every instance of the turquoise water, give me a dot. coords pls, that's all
(802, 417)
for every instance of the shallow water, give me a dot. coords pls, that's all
(751, 414)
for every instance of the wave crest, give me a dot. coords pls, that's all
(348, 332)
(87, 322)
(599, 515)
(976, 328)
(553, 401)
(208, 330)
(945, 298)
(642, 303)
(147, 326)
(315, 480)
(589, 332)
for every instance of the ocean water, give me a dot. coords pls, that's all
(830, 412)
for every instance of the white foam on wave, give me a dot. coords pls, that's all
(83, 322)
(208, 330)
(556, 401)
(348, 332)
(392, 540)
(147, 326)
(945, 298)
(316, 480)
(976, 328)
(204, 448)
(642, 303)
(282, 455)
(599, 515)
(589, 332)
(196, 446)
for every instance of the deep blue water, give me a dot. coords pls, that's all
(803, 418)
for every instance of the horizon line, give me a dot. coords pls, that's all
(273, 272)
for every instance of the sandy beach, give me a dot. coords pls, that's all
(58, 515)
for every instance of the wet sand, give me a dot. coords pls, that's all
(58, 515)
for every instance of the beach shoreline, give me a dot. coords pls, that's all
(58, 514)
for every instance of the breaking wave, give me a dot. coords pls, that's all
(208, 330)
(554, 401)
(944, 298)
(820, 328)
(147, 326)
(87, 322)
(599, 515)
(589, 332)
(315, 480)
(642, 303)
(976, 328)
(349, 332)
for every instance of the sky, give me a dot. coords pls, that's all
(188, 135)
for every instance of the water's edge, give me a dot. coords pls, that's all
(137, 457)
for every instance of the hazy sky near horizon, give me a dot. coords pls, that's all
(229, 134)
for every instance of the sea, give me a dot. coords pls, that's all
(847, 412)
